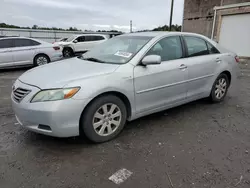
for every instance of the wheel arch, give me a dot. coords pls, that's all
(229, 75)
(41, 54)
(69, 46)
(118, 94)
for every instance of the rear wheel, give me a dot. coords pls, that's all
(104, 119)
(41, 60)
(220, 88)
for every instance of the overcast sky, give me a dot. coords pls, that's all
(90, 14)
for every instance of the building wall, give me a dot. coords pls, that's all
(198, 15)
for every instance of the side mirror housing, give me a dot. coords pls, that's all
(75, 41)
(151, 60)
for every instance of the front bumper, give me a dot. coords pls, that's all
(61, 116)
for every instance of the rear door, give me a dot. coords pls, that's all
(93, 40)
(202, 59)
(24, 51)
(6, 55)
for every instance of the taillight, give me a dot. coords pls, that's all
(56, 48)
(237, 59)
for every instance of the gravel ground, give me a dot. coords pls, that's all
(192, 146)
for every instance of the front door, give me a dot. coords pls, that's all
(6, 55)
(81, 44)
(157, 86)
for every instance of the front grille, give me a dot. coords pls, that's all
(20, 93)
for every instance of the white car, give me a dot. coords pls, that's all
(81, 43)
(21, 51)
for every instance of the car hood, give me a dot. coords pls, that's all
(63, 43)
(61, 73)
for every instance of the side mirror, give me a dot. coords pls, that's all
(151, 60)
(75, 41)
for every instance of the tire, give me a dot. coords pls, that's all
(41, 59)
(68, 52)
(220, 88)
(105, 128)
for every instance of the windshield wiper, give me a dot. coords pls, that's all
(94, 60)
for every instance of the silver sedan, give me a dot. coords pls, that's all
(123, 79)
(22, 51)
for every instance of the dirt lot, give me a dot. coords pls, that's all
(196, 145)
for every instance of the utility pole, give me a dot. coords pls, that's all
(131, 26)
(171, 15)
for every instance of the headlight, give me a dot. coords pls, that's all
(55, 94)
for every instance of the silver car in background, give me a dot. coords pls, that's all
(21, 51)
(122, 79)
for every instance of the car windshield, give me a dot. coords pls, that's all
(71, 38)
(118, 50)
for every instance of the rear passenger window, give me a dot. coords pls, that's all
(89, 38)
(6, 43)
(196, 46)
(25, 42)
(212, 49)
(96, 38)
(169, 48)
(34, 43)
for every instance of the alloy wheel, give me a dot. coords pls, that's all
(220, 88)
(42, 60)
(107, 119)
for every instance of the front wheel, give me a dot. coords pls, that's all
(220, 88)
(104, 119)
(68, 52)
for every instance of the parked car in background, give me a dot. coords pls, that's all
(60, 40)
(122, 79)
(63, 39)
(81, 43)
(21, 51)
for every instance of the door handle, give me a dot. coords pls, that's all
(218, 60)
(183, 67)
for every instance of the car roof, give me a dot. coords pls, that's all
(97, 34)
(40, 41)
(160, 34)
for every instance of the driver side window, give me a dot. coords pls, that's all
(81, 39)
(169, 48)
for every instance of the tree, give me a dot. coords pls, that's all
(35, 27)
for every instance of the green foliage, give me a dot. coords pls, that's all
(161, 28)
(166, 28)
(4, 25)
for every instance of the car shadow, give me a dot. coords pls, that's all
(15, 69)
